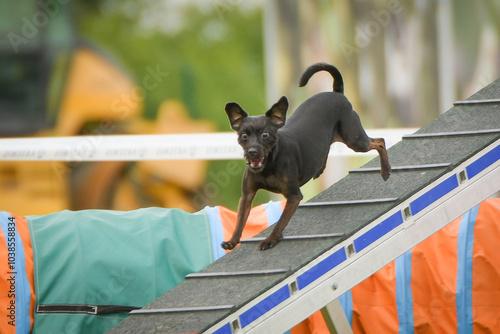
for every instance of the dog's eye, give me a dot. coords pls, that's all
(244, 136)
(265, 135)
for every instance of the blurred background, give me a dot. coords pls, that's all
(169, 66)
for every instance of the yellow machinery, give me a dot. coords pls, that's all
(95, 92)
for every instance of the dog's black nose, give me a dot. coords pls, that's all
(252, 152)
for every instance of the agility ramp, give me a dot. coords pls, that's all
(344, 234)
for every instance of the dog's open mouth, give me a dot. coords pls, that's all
(255, 163)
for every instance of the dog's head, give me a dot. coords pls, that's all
(257, 135)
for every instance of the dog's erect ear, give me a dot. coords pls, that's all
(277, 113)
(235, 114)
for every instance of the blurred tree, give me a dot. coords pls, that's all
(403, 62)
(211, 57)
(204, 53)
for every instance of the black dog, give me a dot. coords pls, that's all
(281, 158)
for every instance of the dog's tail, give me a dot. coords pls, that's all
(338, 82)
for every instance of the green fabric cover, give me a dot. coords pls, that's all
(100, 257)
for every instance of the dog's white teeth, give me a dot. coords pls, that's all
(256, 163)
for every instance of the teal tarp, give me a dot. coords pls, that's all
(99, 257)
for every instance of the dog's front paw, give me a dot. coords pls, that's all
(269, 242)
(227, 245)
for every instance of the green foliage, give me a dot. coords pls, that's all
(216, 56)
(213, 59)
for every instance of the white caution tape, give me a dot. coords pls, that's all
(208, 146)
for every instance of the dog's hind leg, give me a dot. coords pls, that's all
(368, 144)
(385, 167)
(354, 136)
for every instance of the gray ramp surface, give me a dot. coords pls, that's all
(248, 287)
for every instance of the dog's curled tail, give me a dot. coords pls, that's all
(338, 82)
